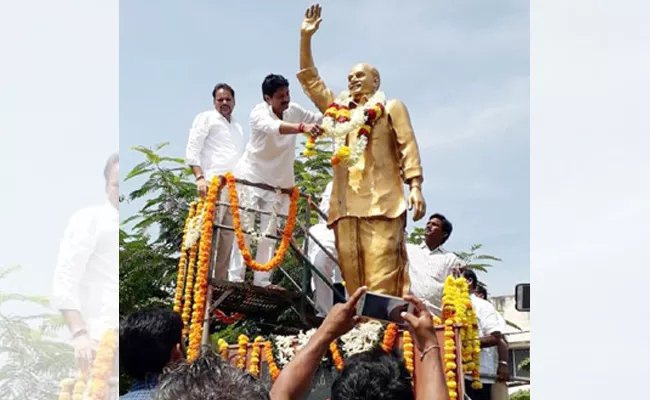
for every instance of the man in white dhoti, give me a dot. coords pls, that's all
(268, 159)
(215, 143)
(86, 284)
(323, 295)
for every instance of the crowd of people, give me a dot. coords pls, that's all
(152, 351)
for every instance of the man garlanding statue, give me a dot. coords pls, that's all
(367, 208)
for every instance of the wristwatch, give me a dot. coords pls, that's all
(503, 363)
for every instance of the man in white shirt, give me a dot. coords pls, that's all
(323, 295)
(268, 159)
(494, 349)
(430, 264)
(216, 142)
(86, 278)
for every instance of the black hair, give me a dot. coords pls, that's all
(224, 86)
(112, 160)
(446, 226)
(272, 83)
(482, 290)
(468, 274)
(147, 338)
(373, 375)
(209, 378)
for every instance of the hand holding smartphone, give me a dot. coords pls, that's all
(384, 308)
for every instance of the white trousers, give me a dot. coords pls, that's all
(264, 201)
(323, 295)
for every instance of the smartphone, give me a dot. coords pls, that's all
(383, 308)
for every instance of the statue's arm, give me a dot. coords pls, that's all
(311, 82)
(407, 146)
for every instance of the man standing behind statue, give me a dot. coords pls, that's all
(367, 210)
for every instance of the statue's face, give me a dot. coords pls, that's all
(362, 81)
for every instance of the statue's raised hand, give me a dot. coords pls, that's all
(312, 20)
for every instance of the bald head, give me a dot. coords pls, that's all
(363, 81)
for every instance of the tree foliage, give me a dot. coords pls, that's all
(33, 360)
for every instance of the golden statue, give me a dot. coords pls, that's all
(375, 155)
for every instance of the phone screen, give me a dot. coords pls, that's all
(384, 308)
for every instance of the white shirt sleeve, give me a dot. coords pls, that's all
(261, 121)
(198, 133)
(76, 248)
(488, 319)
(325, 200)
(308, 117)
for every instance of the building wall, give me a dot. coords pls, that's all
(518, 341)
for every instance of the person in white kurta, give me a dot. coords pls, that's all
(323, 295)
(430, 264)
(215, 144)
(494, 349)
(268, 158)
(86, 286)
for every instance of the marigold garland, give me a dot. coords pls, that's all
(340, 120)
(390, 334)
(407, 346)
(310, 147)
(274, 371)
(100, 373)
(223, 348)
(457, 310)
(243, 349)
(103, 366)
(254, 367)
(336, 356)
(189, 283)
(286, 234)
(182, 263)
(203, 266)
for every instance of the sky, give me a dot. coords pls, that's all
(462, 69)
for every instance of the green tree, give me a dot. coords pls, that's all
(475, 261)
(33, 360)
(416, 236)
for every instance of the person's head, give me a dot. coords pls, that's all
(481, 292)
(209, 378)
(112, 179)
(275, 90)
(472, 280)
(363, 81)
(437, 231)
(373, 374)
(223, 96)
(150, 340)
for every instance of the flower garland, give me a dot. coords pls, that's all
(336, 356)
(254, 367)
(390, 334)
(243, 346)
(225, 319)
(182, 263)
(189, 284)
(361, 339)
(286, 234)
(270, 360)
(203, 266)
(103, 365)
(339, 121)
(407, 346)
(223, 348)
(457, 310)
